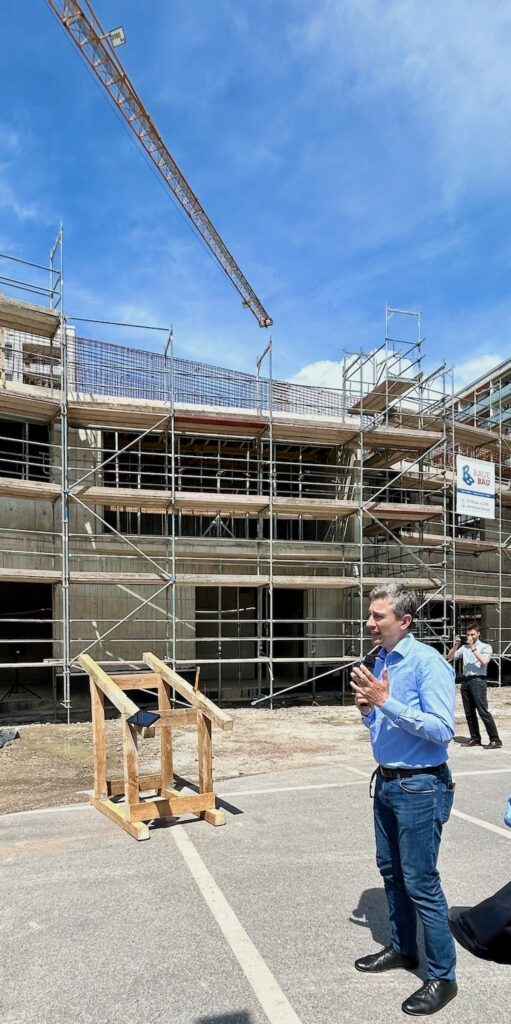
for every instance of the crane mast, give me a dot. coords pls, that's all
(95, 46)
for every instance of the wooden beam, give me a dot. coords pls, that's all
(136, 680)
(197, 700)
(115, 812)
(115, 787)
(130, 759)
(205, 753)
(119, 699)
(165, 708)
(172, 806)
(98, 739)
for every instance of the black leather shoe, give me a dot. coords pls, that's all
(386, 960)
(493, 745)
(434, 994)
(473, 743)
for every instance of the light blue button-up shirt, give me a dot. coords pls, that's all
(415, 724)
(471, 665)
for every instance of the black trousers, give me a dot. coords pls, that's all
(475, 701)
(486, 928)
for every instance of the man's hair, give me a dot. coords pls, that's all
(473, 625)
(404, 598)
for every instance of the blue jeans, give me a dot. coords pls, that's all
(408, 818)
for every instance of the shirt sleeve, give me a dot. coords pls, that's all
(369, 719)
(458, 653)
(486, 650)
(434, 719)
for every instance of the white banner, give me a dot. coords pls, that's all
(475, 487)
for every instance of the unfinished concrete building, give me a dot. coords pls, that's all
(229, 520)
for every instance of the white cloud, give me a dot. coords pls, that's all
(325, 373)
(12, 203)
(444, 68)
(475, 367)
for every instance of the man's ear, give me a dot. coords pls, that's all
(407, 621)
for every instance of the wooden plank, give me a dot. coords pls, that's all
(213, 815)
(115, 787)
(216, 502)
(377, 399)
(474, 437)
(98, 739)
(22, 401)
(205, 753)
(41, 490)
(390, 510)
(119, 699)
(313, 508)
(22, 575)
(115, 812)
(172, 806)
(401, 439)
(136, 680)
(28, 317)
(127, 498)
(130, 759)
(197, 700)
(221, 580)
(178, 717)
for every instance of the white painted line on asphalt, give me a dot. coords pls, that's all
(285, 789)
(506, 832)
(48, 810)
(365, 775)
(265, 987)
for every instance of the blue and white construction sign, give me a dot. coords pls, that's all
(475, 487)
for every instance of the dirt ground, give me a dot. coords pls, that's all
(51, 764)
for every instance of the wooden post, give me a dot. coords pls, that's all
(165, 706)
(131, 781)
(98, 739)
(205, 752)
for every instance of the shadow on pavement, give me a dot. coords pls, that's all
(240, 1017)
(372, 913)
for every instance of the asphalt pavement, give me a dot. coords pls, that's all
(255, 922)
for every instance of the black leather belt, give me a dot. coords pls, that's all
(405, 773)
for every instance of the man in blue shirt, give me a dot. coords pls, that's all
(407, 703)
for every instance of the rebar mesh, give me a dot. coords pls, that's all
(103, 368)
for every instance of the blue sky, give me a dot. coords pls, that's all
(349, 152)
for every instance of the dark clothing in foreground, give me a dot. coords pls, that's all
(485, 930)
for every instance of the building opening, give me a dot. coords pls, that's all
(26, 611)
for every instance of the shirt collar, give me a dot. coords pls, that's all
(401, 648)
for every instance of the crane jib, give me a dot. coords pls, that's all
(94, 44)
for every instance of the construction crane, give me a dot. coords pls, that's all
(97, 47)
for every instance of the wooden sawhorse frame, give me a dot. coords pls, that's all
(134, 813)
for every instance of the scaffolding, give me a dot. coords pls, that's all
(235, 521)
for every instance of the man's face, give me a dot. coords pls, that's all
(472, 636)
(385, 627)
